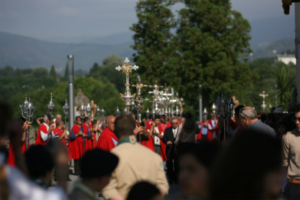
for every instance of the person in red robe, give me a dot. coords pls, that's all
(88, 140)
(203, 130)
(179, 120)
(76, 143)
(11, 155)
(108, 140)
(212, 128)
(157, 133)
(45, 131)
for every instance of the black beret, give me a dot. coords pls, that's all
(98, 163)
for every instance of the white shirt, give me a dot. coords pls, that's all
(45, 135)
(21, 188)
(176, 132)
(156, 139)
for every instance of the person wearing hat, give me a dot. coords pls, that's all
(96, 169)
(45, 131)
(278, 112)
(136, 163)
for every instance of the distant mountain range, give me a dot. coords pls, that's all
(25, 52)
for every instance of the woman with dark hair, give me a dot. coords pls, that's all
(11, 156)
(249, 168)
(196, 160)
(144, 191)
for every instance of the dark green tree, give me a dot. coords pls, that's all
(19, 73)
(40, 72)
(152, 34)
(52, 72)
(210, 48)
(67, 72)
(107, 72)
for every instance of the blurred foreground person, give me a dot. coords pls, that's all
(291, 159)
(14, 184)
(94, 174)
(11, 155)
(249, 120)
(136, 163)
(196, 161)
(249, 168)
(145, 191)
(40, 165)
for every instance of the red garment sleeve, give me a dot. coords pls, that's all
(105, 144)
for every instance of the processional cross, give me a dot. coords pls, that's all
(156, 93)
(127, 97)
(263, 95)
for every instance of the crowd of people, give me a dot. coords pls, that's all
(251, 156)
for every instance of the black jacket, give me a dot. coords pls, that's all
(168, 136)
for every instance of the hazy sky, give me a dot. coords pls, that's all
(49, 18)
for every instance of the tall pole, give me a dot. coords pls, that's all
(275, 95)
(297, 47)
(200, 103)
(71, 92)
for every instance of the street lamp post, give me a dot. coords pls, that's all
(200, 103)
(66, 110)
(71, 90)
(51, 107)
(29, 110)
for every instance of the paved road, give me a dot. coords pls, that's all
(174, 188)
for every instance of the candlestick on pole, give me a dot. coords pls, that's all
(127, 97)
(263, 95)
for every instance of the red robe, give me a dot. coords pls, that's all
(11, 155)
(107, 140)
(88, 141)
(179, 122)
(168, 125)
(163, 146)
(39, 140)
(76, 145)
(199, 136)
(210, 133)
(150, 143)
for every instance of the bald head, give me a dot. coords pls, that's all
(247, 116)
(110, 122)
(58, 117)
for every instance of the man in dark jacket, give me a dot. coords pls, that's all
(169, 139)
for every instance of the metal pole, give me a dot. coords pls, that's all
(297, 47)
(275, 95)
(71, 93)
(27, 138)
(200, 103)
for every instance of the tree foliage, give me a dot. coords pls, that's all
(52, 72)
(40, 72)
(107, 72)
(152, 34)
(285, 81)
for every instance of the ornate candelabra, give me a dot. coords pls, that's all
(127, 97)
(51, 107)
(117, 113)
(225, 108)
(28, 110)
(88, 109)
(94, 108)
(102, 113)
(147, 113)
(139, 99)
(156, 97)
(23, 106)
(98, 111)
(82, 111)
(66, 110)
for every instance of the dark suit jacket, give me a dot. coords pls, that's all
(168, 136)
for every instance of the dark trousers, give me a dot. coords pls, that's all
(292, 191)
(173, 169)
(77, 166)
(204, 137)
(157, 149)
